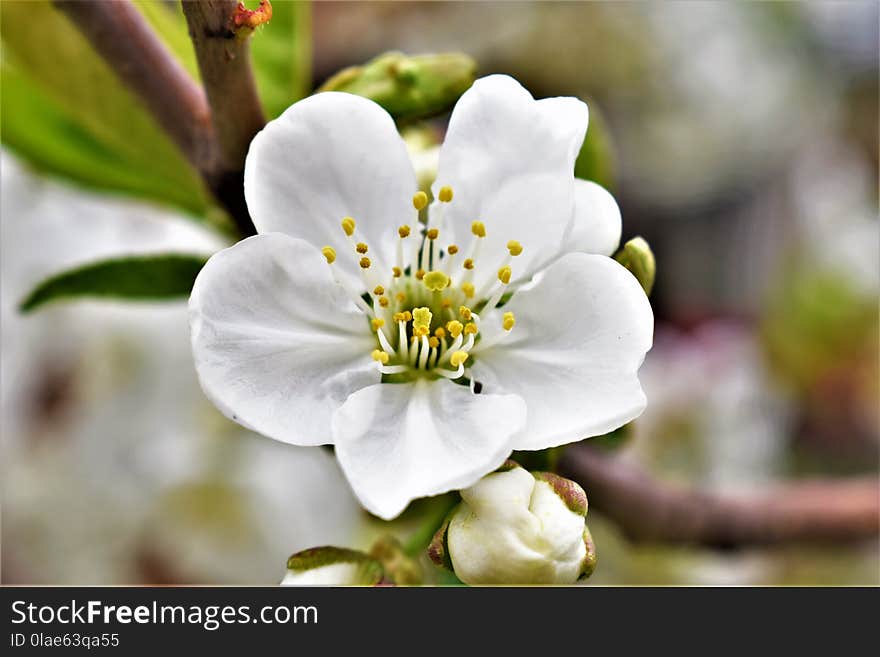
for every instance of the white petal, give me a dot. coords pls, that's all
(596, 224)
(510, 162)
(581, 334)
(278, 346)
(326, 157)
(399, 441)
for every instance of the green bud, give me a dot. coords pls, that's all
(637, 256)
(408, 87)
(588, 565)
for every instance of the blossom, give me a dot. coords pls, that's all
(517, 527)
(424, 350)
(333, 566)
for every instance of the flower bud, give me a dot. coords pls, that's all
(408, 87)
(333, 566)
(517, 527)
(637, 256)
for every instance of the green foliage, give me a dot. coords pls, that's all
(65, 112)
(595, 161)
(408, 87)
(153, 277)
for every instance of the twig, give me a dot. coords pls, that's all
(815, 511)
(121, 35)
(219, 30)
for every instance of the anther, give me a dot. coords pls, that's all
(400, 297)
(452, 249)
(397, 272)
(458, 358)
(422, 317)
(514, 247)
(470, 329)
(420, 274)
(465, 313)
(419, 200)
(468, 263)
(377, 323)
(433, 233)
(435, 280)
(348, 225)
(508, 321)
(440, 332)
(383, 301)
(454, 327)
(403, 231)
(329, 253)
(504, 274)
(378, 290)
(433, 342)
(468, 289)
(446, 302)
(365, 263)
(380, 356)
(478, 228)
(361, 248)
(445, 194)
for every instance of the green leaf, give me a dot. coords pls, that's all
(281, 52)
(142, 278)
(595, 161)
(58, 94)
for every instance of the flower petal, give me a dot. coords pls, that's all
(399, 441)
(582, 331)
(596, 225)
(326, 157)
(510, 162)
(278, 345)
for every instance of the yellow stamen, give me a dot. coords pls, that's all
(396, 271)
(468, 263)
(440, 332)
(365, 263)
(348, 226)
(514, 247)
(458, 358)
(377, 323)
(470, 329)
(465, 313)
(455, 328)
(420, 200)
(420, 274)
(433, 342)
(361, 248)
(422, 317)
(378, 290)
(452, 249)
(329, 253)
(407, 316)
(383, 301)
(445, 194)
(433, 233)
(400, 297)
(478, 228)
(446, 302)
(508, 321)
(435, 280)
(403, 231)
(468, 289)
(504, 274)
(380, 356)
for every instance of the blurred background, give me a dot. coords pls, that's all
(741, 140)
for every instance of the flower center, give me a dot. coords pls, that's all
(426, 312)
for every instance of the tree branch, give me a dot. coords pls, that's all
(220, 31)
(648, 510)
(121, 35)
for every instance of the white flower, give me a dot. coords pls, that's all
(515, 527)
(346, 321)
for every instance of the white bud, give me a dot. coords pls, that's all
(515, 527)
(332, 566)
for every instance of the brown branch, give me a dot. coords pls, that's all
(124, 39)
(220, 31)
(816, 511)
